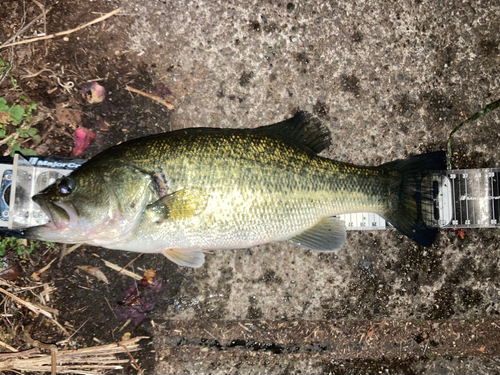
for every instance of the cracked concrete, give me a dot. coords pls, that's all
(389, 80)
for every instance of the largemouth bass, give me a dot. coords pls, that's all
(190, 190)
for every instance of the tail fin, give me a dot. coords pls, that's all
(409, 200)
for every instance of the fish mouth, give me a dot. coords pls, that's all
(62, 215)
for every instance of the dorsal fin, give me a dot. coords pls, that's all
(305, 129)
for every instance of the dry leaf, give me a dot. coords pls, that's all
(150, 275)
(93, 92)
(370, 332)
(67, 116)
(94, 271)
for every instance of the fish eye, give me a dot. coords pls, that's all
(65, 186)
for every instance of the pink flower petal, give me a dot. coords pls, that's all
(83, 138)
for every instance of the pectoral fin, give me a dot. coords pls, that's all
(179, 205)
(193, 257)
(328, 235)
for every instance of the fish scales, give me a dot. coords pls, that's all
(260, 188)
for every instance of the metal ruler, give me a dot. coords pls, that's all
(465, 198)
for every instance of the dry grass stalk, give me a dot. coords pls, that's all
(36, 308)
(36, 275)
(44, 14)
(5, 345)
(63, 32)
(93, 360)
(120, 269)
(152, 97)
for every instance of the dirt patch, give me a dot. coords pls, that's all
(51, 74)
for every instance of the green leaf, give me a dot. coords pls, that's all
(31, 107)
(3, 105)
(28, 152)
(15, 148)
(16, 113)
(32, 132)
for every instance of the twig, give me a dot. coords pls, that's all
(6, 73)
(482, 112)
(65, 251)
(109, 305)
(24, 353)
(125, 272)
(124, 325)
(31, 75)
(245, 328)
(51, 310)
(6, 43)
(100, 19)
(36, 275)
(8, 347)
(74, 333)
(36, 343)
(35, 309)
(129, 263)
(53, 364)
(426, 346)
(209, 333)
(14, 135)
(131, 357)
(73, 248)
(153, 97)
(60, 327)
(42, 7)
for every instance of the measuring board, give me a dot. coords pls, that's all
(21, 179)
(464, 198)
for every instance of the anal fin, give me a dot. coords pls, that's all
(192, 257)
(328, 235)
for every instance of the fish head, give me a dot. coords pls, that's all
(92, 205)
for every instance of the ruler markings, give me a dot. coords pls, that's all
(492, 203)
(455, 219)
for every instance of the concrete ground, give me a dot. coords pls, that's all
(390, 79)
